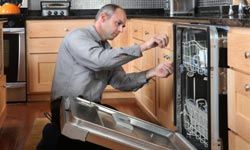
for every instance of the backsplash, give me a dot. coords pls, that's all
(207, 3)
(96, 4)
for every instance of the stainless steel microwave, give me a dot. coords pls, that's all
(181, 7)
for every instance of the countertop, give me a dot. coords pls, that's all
(215, 19)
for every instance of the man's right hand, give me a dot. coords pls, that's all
(159, 40)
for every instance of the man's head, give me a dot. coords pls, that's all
(110, 21)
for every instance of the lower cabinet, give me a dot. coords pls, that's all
(238, 88)
(41, 71)
(42, 48)
(236, 142)
(164, 94)
(2, 98)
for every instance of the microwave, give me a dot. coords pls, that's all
(179, 7)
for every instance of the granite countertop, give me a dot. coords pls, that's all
(215, 19)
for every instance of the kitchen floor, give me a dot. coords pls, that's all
(20, 117)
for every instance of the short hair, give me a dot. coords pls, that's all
(109, 9)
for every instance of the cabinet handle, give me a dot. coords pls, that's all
(4, 86)
(167, 57)
(146, 32)
(247, 87)
(135, 30)
(66, 29)
(247, 55)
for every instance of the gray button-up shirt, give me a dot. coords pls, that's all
(85, 66)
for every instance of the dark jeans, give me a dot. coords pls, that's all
(52, 139)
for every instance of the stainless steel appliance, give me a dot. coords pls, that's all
(200, 85)
(15, 63)
(88, 121)
(55, 8)
(180, 7)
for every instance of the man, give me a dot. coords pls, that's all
(86, 63)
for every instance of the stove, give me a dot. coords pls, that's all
(55, 8)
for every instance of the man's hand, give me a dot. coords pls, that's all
(159, 40)
(163, 70)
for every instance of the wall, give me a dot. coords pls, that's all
(96, 4)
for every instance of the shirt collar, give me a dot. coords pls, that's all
(94, 33)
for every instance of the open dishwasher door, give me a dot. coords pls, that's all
(87, 121)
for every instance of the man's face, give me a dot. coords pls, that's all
(114, 24)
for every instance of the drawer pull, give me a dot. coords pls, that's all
(135, 30)
(247, 55)
(146, 33)
(66, 29)
(247, 87)
(167, 57)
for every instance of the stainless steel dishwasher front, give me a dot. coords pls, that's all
(88, 121)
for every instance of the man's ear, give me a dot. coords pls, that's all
(103, 17)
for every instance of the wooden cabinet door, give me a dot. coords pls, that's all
(2, 93)
(148, 97)
(239, 103)
(40, 72)
(235, 142)
(137, 63)
(165, 98)
(1, 51)
(164, 88)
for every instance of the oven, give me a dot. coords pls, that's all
(15, 63)
(14, 50)
(200, 85)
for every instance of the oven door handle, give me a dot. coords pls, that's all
(21, 76)
(13, 30)
(16, 85)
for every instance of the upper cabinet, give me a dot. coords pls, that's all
(239, 87)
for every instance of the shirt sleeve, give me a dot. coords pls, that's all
(127, 82)
(91, 54)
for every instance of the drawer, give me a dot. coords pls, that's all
(54, 28)
(166, 28)
(239, 50)
(239, 103)
(43, 45)
(136, 30)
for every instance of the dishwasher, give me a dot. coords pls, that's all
(200, 91)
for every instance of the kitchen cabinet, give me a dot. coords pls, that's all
(1, 50)
(121, 40)
(164, 86)
(140, 31)
(2, 94)
(2, 79)
(239, 88)
(156, 97)
(43, 41)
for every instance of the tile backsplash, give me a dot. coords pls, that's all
(96, 4)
